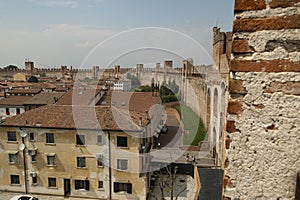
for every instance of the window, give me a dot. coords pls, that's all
(7, 111)
(100, 184)
(18, 111)
(99, 160)
(51, 182)
(11, 136)
(14, 179)
(13, 158)
(80, 161)
(31, 136)
(51, 159)
(80, 140)
(82, 184)
(33, 158)
(49, 138)
(34, 180)
(122, 141)
(122, 164)
(99, 139)
(126, 187)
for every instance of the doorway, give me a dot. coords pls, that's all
(67, 187)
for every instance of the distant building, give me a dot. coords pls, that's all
(23, 92)
(20, 77)
(122, 85)
(12, 105)
(42, 99)
(29, 66)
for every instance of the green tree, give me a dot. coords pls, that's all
(11, 67)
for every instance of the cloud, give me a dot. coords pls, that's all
(93, 3)
(77, 30)
(56, 3)
(56, 45)
(70, 44)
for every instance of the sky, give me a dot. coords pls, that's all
(84, 33)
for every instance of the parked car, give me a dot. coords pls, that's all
(164, 129)
(24, 197)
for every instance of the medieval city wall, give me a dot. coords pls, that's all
(264, 102)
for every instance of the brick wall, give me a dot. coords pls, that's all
(263, 116)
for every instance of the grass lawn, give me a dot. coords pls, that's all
(193, 123)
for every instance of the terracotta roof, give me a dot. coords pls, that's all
(14, 100)
(136, 101)
(44, 86)
(63, 116)
(44, 98)
(78, 96)
(16, 84)
(24, 91)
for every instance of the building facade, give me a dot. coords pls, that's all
(41, 155)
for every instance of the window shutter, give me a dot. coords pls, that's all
(116, 187)
(129, 188)
(87, 185)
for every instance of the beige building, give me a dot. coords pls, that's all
(79, 151)
(20, 77)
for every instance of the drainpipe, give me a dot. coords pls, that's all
(25, 167)
(109, 167)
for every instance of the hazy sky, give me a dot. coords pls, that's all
(63, 32)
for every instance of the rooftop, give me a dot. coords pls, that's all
(44, 98)
(79, 96)
(77, 117)
(24, 91)
(137, 101)
(14, 100)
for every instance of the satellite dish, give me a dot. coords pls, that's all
(23, 133)
(22, 147)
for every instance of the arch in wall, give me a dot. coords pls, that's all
(216, 102)
(208, 100)
(214, 143)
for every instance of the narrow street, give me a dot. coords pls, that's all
(173, 137)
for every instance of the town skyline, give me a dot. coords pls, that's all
(68, 30)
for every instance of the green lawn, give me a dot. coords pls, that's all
(193, 124)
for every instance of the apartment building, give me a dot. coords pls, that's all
(12, 105)
(78, 151)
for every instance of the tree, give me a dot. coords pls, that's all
(11, 67)
(166, 178)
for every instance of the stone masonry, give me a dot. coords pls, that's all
(263, 116)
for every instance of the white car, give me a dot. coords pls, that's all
(24, 197)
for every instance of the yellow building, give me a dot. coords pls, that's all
(90, 152)
(20, 77)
